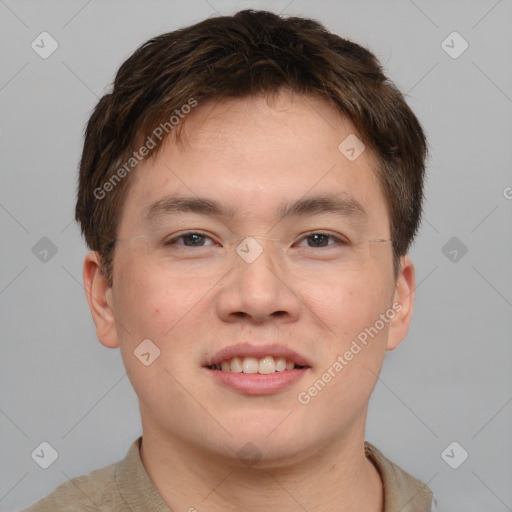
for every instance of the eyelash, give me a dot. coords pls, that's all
(340, 241)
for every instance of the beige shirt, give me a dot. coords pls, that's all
(125, 487)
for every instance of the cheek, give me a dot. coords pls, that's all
(149, 303)
(165, 310)
(150, 307)
(352, 354)
(364, 311)
(347, 303)
(352, 351)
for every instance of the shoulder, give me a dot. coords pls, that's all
(402, 491)
(92, 492)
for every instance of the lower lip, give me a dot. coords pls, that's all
(256, 383)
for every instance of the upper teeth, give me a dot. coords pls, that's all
(265, 365)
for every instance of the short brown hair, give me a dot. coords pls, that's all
(249, 53)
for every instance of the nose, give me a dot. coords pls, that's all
(257, 288)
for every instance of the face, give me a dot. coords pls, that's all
(302, 300)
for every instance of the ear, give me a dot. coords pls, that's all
(403, 303)
(99, 297)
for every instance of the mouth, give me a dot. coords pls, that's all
(254, 370)
(264, 366)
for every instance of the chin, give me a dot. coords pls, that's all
(258, 450)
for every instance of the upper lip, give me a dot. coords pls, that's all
(258, 351)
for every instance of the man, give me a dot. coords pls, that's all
(249, 190)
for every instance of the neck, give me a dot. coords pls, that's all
(337, 478)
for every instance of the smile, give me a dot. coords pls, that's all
(252, 369)
(264, 366)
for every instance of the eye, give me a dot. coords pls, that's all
(321, 239)
(190, 239)
(315, 240)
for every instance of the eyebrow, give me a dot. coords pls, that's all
(342, 205)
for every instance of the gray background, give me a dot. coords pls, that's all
(449, 381)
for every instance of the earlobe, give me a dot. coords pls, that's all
(403, 303)
(99, 297)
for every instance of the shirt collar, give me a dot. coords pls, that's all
(134, 484)
(402, 492)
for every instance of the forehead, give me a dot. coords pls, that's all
(256, 156)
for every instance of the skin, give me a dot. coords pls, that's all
(253, 154)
